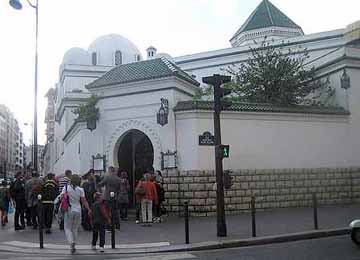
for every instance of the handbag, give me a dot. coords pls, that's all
(65, 204)
(140, 190)
(11, 208)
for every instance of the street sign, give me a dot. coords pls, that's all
(206, 139)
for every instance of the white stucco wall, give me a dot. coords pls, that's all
(266, 140)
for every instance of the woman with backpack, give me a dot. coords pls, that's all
(71, 196)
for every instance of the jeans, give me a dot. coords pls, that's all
(123, 210)
(48, 215)
(146, 211)
(72, 221)
(28, 216)
(19, 213)
(138, 209)
(98, 229)
(34, 215)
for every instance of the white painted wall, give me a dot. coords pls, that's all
(266, 140)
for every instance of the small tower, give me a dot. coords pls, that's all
(151, 52)
(266, 21)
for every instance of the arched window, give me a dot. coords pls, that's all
(137, 57)
(118, 58)
(94, 58)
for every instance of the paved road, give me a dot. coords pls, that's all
(334, 248)
(272, 222)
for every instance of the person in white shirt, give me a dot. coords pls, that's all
(72, 218)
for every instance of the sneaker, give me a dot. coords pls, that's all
(72, 248)
(93, 247)
(102, 249)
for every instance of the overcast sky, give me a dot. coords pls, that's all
(177, 27)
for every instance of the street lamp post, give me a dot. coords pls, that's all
(16, 4)
(31, 141)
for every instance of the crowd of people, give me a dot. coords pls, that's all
(90, 201)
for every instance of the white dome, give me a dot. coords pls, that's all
(165, 55)
(76, 56)
(106, 46)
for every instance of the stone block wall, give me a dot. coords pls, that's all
(274, 188)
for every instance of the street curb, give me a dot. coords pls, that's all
(209, 245)
(268, 239)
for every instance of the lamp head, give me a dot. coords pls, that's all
(15, 4)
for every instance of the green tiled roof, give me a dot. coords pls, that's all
(266, 15)
(142, 70)
(255, 107)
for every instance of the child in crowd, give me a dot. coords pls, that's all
(99, 218)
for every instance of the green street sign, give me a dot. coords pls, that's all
(225, 150)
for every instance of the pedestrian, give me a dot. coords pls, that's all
(65, 180)
(100, 217)
(89, 187)
(28, 218)
(138, 202)
(17, 192)
(148, 193)
(157, 179)
(4, 202)
(111, 182)
(49, 193)
(73, 193)
(124, 195)
(32, 190)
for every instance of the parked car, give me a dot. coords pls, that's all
(355, 231)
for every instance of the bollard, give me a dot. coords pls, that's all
(41, 221)
(112, 195)
(253, 220)
(316, 226)
(186, 217)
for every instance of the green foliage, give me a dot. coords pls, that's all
(273, 75)
(88, 111)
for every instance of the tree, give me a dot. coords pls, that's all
(273, 75)
(88, 112)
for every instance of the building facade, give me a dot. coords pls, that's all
(147, 117)
(11, 143)
(29, 150)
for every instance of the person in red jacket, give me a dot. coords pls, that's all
(149, 197)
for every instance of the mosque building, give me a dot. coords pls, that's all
(147, 116)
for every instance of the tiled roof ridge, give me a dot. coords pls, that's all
(169, 64)
(260, 107)
(141, 70)
(269, 12)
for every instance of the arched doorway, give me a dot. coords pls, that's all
(135, 156)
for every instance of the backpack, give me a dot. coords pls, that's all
(65, 201)
(36, 188)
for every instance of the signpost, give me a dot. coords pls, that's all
(221, 151)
